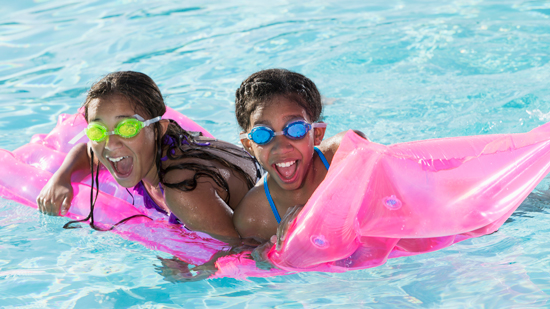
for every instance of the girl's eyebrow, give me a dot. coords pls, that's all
(291, 117)
(117, 117)
(286, 119)
(262, 122)
(123, 116)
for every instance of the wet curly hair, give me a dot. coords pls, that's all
(144, 93)
(261, 87)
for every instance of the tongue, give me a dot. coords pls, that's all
(287, 172)
(124, 166)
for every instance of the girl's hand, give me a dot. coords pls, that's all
(175, 270)
(286, 222)
(260, 253)
(56, 196)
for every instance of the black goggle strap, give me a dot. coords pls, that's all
(133, 201)
(92, 204)
(68, 225)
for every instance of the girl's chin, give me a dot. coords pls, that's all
(126, 182)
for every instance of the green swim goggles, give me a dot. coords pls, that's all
(127, 128)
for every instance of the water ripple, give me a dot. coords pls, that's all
(399, 71)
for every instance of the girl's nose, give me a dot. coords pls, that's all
(281, 144)
(112, 142)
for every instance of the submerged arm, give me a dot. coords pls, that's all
(56, 196)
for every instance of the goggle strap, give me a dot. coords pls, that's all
(138, 117)
(243, 135)
(77, 137)
(150, 121)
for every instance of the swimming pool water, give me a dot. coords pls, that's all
(397, 70)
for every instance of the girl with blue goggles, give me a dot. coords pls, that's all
(295, 130)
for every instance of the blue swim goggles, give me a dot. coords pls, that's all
(295, 130)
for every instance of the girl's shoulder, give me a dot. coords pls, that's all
(330, 145)
(253, 217)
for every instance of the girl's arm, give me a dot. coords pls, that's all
(56, 196)
(201, 209)
(253, 218)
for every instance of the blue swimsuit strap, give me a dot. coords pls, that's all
(322, 156)
(271, 203)
(268, 194)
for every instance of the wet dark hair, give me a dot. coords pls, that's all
(143, 92)
(261, 87)
(137, 87)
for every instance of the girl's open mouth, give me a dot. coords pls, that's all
(122, 166)
(286, 170)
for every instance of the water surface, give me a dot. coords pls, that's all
(397, 70)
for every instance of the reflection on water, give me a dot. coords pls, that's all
(536, 202)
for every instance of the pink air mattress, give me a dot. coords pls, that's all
(377, 202)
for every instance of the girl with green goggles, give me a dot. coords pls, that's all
(127, 128)
(172, 169)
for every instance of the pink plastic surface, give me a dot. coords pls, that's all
(377, 202)
(27, 169)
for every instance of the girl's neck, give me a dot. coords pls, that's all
(152, 178)
(315, 175)
(156, 193)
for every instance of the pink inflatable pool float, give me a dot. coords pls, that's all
(377, 202)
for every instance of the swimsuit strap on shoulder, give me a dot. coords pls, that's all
(270, 200)
(322, 156)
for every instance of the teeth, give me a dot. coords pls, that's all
(117, 159)
(285, 164)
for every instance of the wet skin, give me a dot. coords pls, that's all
(137, 154)
(295, 170)
(131, 160)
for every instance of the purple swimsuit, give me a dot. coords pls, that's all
(150, 203)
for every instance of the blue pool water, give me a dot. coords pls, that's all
(397, 70)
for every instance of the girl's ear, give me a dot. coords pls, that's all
(246, 144)
(164, 126)
(318, 134)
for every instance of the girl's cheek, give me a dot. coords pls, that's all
(98, 150)
(259, 154)
(94, 149)
(263, 152)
